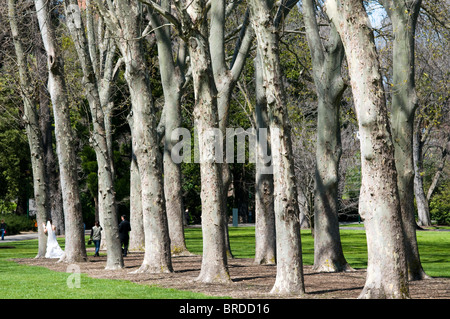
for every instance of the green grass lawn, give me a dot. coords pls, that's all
(434, 247)
(30, 282)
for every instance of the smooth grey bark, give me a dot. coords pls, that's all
(225, 78)
(423, 210)
(289, 279)
(124, 19)
(326, 60)
(403, 15)
(34, 136)
(445, 150)
(106, 192)
(75, 249)
(265, 237)
(172, 79)
(379, 203)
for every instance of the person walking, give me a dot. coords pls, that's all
(96, 237)
(3, 229)
(124, 229)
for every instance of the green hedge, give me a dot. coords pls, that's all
(15, 223)
(440, 205)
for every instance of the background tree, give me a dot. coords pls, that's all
(172, 78)
(403, 15)
(327, 63)
(432, 114)
(106, 197)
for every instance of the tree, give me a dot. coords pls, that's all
(265, 237)
(431, 118)
(195, 32)
(172, 79)
(225, 78)
(289, 260)
(106, 196)
(75, 249)
(35, 141)
(327, 63)
(124, 18)
(403, 15)
(379, 204)
(213, 83)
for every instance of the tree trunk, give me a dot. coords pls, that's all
(441, 164)
(379, 203)
(172, 81)
(289, 279)
(157, 256)
(137, 234)
(214, 262)
(157, 243)
(423, 210)
(327, 62)
(225, 78)
(75, 249)
(106, 193)
(33, 133)
(46, 126)
(195, 28)
(124, 19)
(403, 15)
(265, 237)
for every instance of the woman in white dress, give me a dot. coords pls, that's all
(53, 249)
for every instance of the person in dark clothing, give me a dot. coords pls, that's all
(124, 229)
(3, 229)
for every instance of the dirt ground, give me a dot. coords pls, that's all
(248, 280)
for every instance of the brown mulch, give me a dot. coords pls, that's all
(248, 280)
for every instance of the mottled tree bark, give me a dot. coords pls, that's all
(35, 141)
(106, 192)
(195, 30)
(124, 19)
(379, 203)
(289, 279)
(75, 249)
(46, 125)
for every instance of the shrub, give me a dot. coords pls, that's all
(15, 223)
(440, 205)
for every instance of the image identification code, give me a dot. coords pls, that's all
(232, 308)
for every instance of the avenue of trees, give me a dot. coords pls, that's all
(349, 100)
